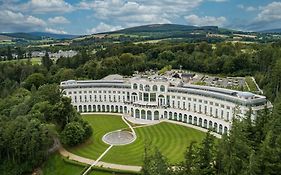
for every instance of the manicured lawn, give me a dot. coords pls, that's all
(251, 84)
(101, 124)
(171, 139)
(56, 165)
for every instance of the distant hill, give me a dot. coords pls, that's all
(271, 31)
(53, 35)
(38, 35)
(3, 37)
(163, 28)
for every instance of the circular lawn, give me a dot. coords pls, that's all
(171, 139)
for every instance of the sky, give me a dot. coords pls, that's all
(94, 16)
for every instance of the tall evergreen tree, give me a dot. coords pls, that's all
(46, 61)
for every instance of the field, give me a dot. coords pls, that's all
(171, 139)
(34, 60)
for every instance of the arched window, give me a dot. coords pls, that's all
(162, 88)
(156, 115)
(143, 114)
(190, 119)
(149, 115)
(154, 87)
(137, 113)
(135, 86)
(147, 88)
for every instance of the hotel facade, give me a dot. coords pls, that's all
(162, 98)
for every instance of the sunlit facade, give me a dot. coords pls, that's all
(160, 98)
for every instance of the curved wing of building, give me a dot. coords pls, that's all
(160, 98)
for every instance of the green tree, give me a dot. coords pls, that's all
(46, 61)
(72, 134)
(35, 79)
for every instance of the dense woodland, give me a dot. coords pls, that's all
(33, 111)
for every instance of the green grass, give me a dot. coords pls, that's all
(56, 165)
(34, 61)
(171, 139)
(101, 124)
(251, 84)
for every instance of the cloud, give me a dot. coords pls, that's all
(58, 20)
(56, 31)
(102, 27)
(205, 21)
(270, 12)
(130, 13)
(15, 21)
(247, 8)
(46, 6)
(269, 17)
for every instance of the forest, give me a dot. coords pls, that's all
(33, 111)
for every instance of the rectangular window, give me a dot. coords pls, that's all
(145, 96)
(140, 96)
(227, 116)
(153, 97)
(216, 112)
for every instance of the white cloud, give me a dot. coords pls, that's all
(46, 6)
(247, 8)
(16, 21)
(270, 12)
(102, 27)
(205, 21)
(56, 31)
(129, 13)
(58, 20)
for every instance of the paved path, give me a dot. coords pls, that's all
(141, 121)
(95, 163)
(87, 161)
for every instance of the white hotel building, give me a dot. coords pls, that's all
(159, 98)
